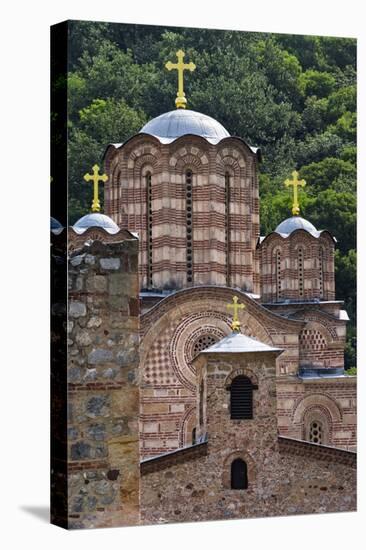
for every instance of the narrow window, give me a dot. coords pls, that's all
(194, 436)
(241, 398)
(300, 262)
(321, 273)
(227, 226)
(189, 182)
(239, 474)
(278, 276)
(201, 404)
(149, 247)
(316, 432)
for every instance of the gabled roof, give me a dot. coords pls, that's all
(239, 343)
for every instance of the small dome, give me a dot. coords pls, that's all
(296, 222)
(180, 122)
(56, 227)
(96, 220)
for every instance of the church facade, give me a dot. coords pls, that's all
(190, 191)
(205, 361)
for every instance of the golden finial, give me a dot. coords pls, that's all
(295, 182)
(96, 178)
(235, 306)
(180, 101)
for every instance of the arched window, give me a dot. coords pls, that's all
(239, 474)
(227, 226)
(241, 398)
(300, 271)
(278, 275)
(189, 190)
(149, 248)
(194, 431)
(316, 432)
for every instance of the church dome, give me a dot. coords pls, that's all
(296, 222)
(56, 227)
(96, 220)
(169, 126)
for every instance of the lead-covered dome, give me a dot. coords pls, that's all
(296, 222)
(96, 220)
(169, 126)
(55, 226)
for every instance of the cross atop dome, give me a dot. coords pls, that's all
(181, 100)
(295, 183)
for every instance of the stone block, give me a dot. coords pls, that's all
(98, 405)
(96, 283)
(110, 263)
(83, 338)
(177, 407)
(77, 309)
(100, 356)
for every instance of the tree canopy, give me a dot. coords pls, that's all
(293, 96)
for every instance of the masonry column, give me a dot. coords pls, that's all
(103, 380)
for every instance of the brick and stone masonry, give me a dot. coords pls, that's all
(103, 380)
(225, 220)
(285, 476)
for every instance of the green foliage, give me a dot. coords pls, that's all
(349, 154)
(341, 101)
(108, 120)
(352, 371)
(317, 83)
(346, 126)
(294, 96)
(322, 175)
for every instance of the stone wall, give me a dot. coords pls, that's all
(301, 481)
(284, 477)
(103, 383)
(172, 333)
(331, 402)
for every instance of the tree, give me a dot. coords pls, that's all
(320, 175)
(317, 83)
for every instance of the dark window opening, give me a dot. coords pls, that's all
(194, 436)
(300, 260)
(227, 226)
(189, 265)
(241, 398)
(149, 220)
(278, 275)
(201, 404)
(239, 474)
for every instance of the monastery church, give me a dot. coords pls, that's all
(206, 360)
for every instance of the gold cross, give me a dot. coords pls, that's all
(235, 306)
(180, 66)
(96, 178)
(295, 182)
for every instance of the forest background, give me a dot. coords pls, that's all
(293, 96)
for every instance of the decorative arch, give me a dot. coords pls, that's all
(189, 162)
(193, 157)
(175, 309)
(229, 163)
(144, 162)
(319, 321)
(230, 157)
(319, 415)
(242, 371)
(319, 400)
(226, 468)
(187, 424)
